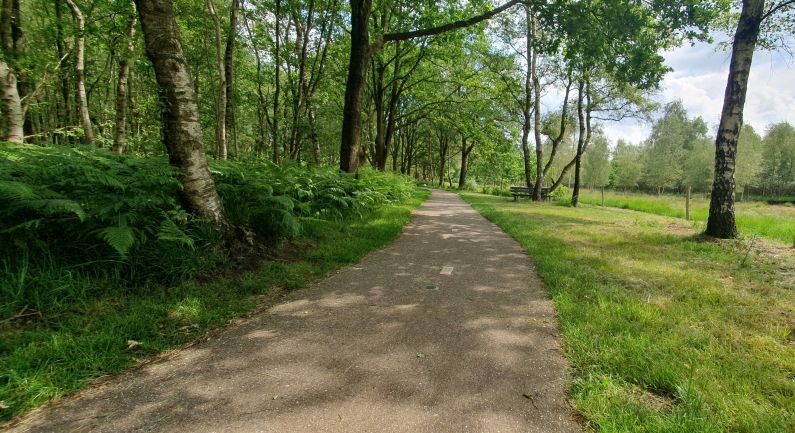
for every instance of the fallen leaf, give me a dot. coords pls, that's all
(3, 405)
(132, 344)
(422, 355)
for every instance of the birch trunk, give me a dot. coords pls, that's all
(11, 106)
(122, 89)
(80, 75)
(180, 112)
(527, 102)
(721, 222)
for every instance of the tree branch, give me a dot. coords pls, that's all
(777, 7)
(449, 26)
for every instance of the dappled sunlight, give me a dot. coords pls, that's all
(656, 318)
(408, 340)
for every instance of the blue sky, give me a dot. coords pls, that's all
(699, 80)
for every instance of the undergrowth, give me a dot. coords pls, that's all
(101, 267)
(73, 215)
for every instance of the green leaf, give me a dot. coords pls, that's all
(120, 238)
(10, 190)
(169, 231)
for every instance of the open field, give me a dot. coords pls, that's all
(666, 332)
(774, 222)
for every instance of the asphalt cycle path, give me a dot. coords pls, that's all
(447, 329)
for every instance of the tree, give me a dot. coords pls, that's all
(361, 52)
(721, 222)
(778, 154)
(181, 128)
(121, 87)
(220, 109)
(749, 158)
(697, 166)
(229, 78)
(674, 136)
(597, 163)
(625, 166)
(80, 49)
(11, 129)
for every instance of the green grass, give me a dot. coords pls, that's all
(58, 355)
(774, 222)
(665, 332)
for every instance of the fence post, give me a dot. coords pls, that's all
(687, 204)
(603, 196)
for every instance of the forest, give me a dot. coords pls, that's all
(156, 153)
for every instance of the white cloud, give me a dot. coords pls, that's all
(699, 80)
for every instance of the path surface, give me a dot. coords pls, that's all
(444, 330)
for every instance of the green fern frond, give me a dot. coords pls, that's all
(14, 191)
(57, 206)
(120, 238)
(169, 231)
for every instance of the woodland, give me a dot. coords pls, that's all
(147, 143)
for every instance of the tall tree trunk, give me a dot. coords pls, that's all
(527, 101)
(80, 74)
(220, 110)
(721, 222)
(11, 106)
(262, 111)
(12, 125)
(181, 128)
(443, 147)
(388, 109)
(539, 144)
(379, 69)
(229, 69)
(575, 195)
(465, 151)
(313, 136)
(121, 89)
(65, 112)
(582, 141)
(277, 83)
(354, 85)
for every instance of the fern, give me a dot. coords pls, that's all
(66, 206)
(54, 206)
(120, 238)
(16, 191)
(170, 232)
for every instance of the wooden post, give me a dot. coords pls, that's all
(603, 196)
(687, 204)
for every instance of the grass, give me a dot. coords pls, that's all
(665, 332)
(54, 356)
(773, 222)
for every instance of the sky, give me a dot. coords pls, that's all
(699, 78)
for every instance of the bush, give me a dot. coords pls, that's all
(71, 214)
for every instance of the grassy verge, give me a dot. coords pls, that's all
(58, 355)
(666, 333)
(774, 222)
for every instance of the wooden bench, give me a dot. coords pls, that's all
(523, 191)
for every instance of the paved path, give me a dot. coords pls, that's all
(445, 330)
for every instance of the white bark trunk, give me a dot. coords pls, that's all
(11, 106)
(80, 53)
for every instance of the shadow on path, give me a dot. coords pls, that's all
(392, 344)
